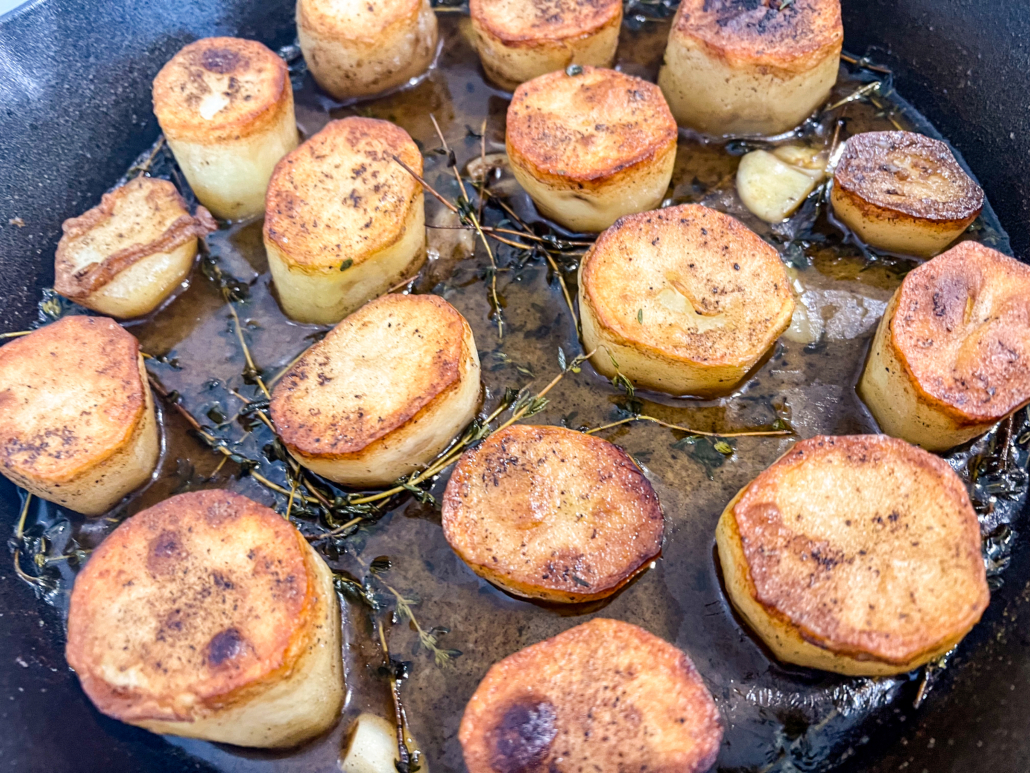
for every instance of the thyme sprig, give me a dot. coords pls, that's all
(691, 430)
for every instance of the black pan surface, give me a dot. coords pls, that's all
(74, 114)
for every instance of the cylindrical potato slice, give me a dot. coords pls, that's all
(77, 421)
(591, 147)
(344, 221)
(950, 356)
(684, 300)
(209, 616)
(856, 554)
(603, 696)
(751, 68)
(553, 514)
(381, 395)
(358, 48)
(225, 106)
(125, 256)
(903, 193)
(518, 41)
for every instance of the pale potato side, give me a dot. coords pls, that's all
(553, 514)
(383, 394)
(949, 357)
(209, 616)
(592, 147)
(603, 696)
(77, 421)
(225, 106)
(125, 256)
(344, 221)
(360, 48)
(748, 68)
(518, 41)
(903, 193)
(856, 554)
(685, 300)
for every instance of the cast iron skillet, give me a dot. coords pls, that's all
(75, 112)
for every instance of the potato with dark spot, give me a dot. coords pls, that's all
(951, 356)
(552, 514)
(361, 48)
(684, 300)
(225, 106)
(383, 394)
(605, 696)
(125, 256)
(518, 41)
(751, 67)
(903, 193)
(209, 616)
(856, 554)
(77, 420)
(344, 221)
(591, 146)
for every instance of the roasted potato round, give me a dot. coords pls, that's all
(857, 554)
(518, 41)
(382, 394)
(552, 514)
(77, 422)
(129, 253)
(949, 357)
(591, 147)
(225, 106)
(757, 68)
(356, 48)
(209, 616)
(903, 193)
(684, 300)
(344, 221)
(604, 696)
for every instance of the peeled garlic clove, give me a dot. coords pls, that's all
(805, 158)
(371, 747)
(771, 188)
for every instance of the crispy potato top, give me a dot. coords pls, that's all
(144, 217)
(588, 127)
(690, 283)
(515, 22)
(187, 604)
(550, 509)
(71, 395)
(908, 173)
(341, 196)
(962, 328)
(868, 545)
(604, 695)
(221, 89)
(763, 32)
(360, 21)
(371, 375)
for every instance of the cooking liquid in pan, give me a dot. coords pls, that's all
(777, 718)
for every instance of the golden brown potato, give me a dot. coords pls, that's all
(77, 422)
(591, 147)
(904, 193)
(685, 299)
(750, 68)
(129, 253)
(517, 41)
(344, 222)
(553, 514)
(360, 48)
(225, 106)
(209, 616)
(950, 355)
(382, 394)
(857, 554)
(605, 696)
